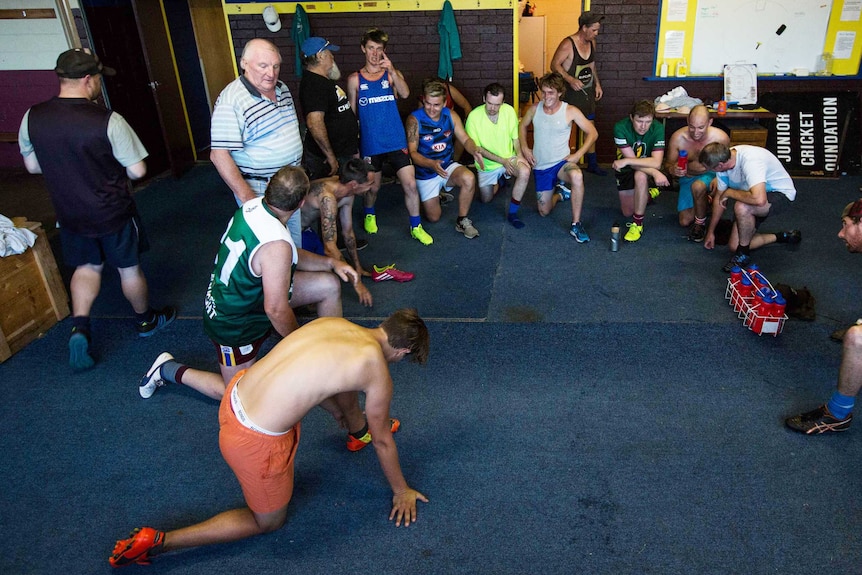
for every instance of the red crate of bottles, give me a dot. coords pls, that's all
(756, 302)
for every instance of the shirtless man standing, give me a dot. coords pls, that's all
(327, 363)
(694, 180)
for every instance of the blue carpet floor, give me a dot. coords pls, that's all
(582, 411)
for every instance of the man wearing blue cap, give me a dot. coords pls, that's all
(331, 122)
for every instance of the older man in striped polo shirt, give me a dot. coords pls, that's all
(255, 127)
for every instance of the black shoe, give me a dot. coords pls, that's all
(818, 421)
(696, 233)
(595, 169)
(360, 244)
(163, 318)
(791, 237)
(741, 260)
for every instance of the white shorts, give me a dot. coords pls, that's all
(431, 188)
(491, 177)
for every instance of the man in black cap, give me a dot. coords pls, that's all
(837, 414)
(574, 59)
(331, 122)
(88, 155)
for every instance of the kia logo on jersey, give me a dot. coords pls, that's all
(439, 147)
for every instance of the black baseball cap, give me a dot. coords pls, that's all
(76, 63)
(588, 19)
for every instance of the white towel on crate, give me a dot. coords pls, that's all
(677, 98)
(14, 240)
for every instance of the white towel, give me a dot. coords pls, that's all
(14, 240)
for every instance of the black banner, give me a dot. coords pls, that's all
(814, 134)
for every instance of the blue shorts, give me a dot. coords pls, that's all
(311, 242)
(686, 200)
(120, 249)
(546, 180)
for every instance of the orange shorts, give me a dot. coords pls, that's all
(262, 463)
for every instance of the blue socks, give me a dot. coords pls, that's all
(415, 221)
(840, 405)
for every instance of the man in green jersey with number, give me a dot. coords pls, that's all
(259, 277)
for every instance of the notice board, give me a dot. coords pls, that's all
(778, 36)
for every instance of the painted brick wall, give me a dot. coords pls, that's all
(486, 42)
(626, 51)
(21, 89)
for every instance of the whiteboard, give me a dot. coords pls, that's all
(777, 35)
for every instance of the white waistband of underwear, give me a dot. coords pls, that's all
(236, 406)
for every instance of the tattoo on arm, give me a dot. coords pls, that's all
(328, 210)
(412, 131)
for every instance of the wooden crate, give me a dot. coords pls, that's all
(32, 295)
(742, 132)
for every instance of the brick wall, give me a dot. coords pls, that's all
(486, 43)
(21, 89)
(626, 51)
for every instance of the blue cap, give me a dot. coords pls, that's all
(315, 45)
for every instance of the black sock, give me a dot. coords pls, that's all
(743, 250)
(81, 324)
(782, 237)
(146, 317)
(361, 433)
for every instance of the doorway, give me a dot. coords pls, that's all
(131, 36)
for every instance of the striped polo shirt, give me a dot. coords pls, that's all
(262, 136)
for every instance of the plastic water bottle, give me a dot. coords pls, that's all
(779, 305)
(615, 237)
(682, 160)
(735, 274)
(744, 291)
(761, 311)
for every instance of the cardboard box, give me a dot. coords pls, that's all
(32, 295)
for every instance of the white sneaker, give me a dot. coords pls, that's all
(466, 227)
(153, 379)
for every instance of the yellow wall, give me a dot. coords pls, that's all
(562, 20)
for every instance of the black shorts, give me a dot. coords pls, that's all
(778, 203)
(317, 167)
(397, 159)
(626, 180)
(121, 249)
